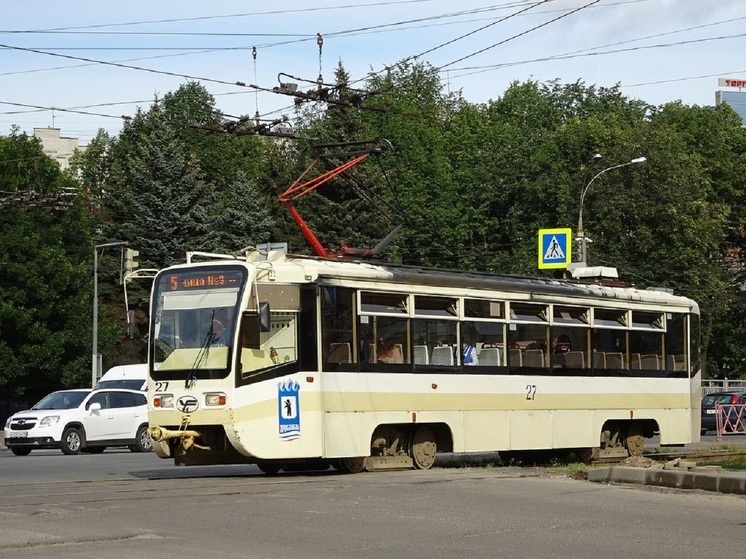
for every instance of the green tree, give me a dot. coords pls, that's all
(169, 184)
(45, 279)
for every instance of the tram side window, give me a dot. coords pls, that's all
(276, 347)
(528, 340)
(387, 337)
(570, 338)
(434, 342)
(488, 330)
(434, 330)
(337, 319)
(391, 335)
(609, 338)
(646, 341)
(676, 342)
(646, 350)
(471, 343)
(694, 341)
(568, 349)
(527, 345)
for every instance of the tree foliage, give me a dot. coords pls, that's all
(473, 182)
(45, 280)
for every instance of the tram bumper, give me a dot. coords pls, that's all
(160, 434)
(197, 445)
(162, 437)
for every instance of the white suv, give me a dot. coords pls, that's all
(81, 421)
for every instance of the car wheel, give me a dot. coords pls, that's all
(143, 442)
(72, 441)
(20, 451)
(93, 449)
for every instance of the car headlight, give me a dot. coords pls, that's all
(7, 422)
(49, 420)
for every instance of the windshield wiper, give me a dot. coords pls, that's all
(204, 351)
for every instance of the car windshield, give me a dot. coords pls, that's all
(131, 384)
(711, 399)
(61, 401)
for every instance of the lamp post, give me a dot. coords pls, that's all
(95, 364)
(581, 233)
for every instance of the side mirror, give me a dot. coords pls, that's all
(253, 324)
(94, 407)
(265, 322)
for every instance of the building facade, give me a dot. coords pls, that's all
(56, 146)
(735, 97)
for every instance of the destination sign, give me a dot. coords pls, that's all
(205, 280)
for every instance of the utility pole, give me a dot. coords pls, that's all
(583, 253)
(96, 362)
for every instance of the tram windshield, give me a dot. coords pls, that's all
(195, 315)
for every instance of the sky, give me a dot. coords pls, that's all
(81, 66)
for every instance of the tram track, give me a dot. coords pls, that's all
(693, 456)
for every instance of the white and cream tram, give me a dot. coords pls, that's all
(286, 361)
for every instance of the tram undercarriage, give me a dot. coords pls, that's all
(393, 447)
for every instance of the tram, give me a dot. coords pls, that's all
(295, 361)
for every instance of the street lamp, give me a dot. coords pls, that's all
(581, 232)
(95, 366)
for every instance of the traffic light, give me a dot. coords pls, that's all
(129, 260)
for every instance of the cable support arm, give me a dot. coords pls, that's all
(299, 189)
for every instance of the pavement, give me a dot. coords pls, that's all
(678, 473)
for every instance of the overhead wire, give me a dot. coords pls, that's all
(531, 5)
(585, 53)
(475, 31)
(528, 6)
(48, 108)
(301, 38)
(526, 32)
(233, 16)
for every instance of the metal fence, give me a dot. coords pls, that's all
(730, 418)
(716, 385)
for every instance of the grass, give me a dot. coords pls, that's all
(494, 460)
(726, 462)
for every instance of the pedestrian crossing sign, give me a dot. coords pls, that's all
(554, 248)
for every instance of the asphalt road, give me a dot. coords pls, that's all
(120, 504)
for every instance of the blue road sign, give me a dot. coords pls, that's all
(555, 247)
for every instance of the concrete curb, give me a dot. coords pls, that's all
(698, 478)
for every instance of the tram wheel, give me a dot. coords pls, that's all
(584, 454)
(269, 468)
(422, 448)
(510, 457)
(351, 465)
(635, 440)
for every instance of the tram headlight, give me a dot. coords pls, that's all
(215, 399)
(162, 401)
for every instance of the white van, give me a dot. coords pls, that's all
(133, 377)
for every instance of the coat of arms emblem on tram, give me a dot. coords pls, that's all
(288, 410)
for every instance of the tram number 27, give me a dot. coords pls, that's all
(530, 392)
(161, 386)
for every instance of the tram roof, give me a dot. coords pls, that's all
(458, 279)
(314, 268)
